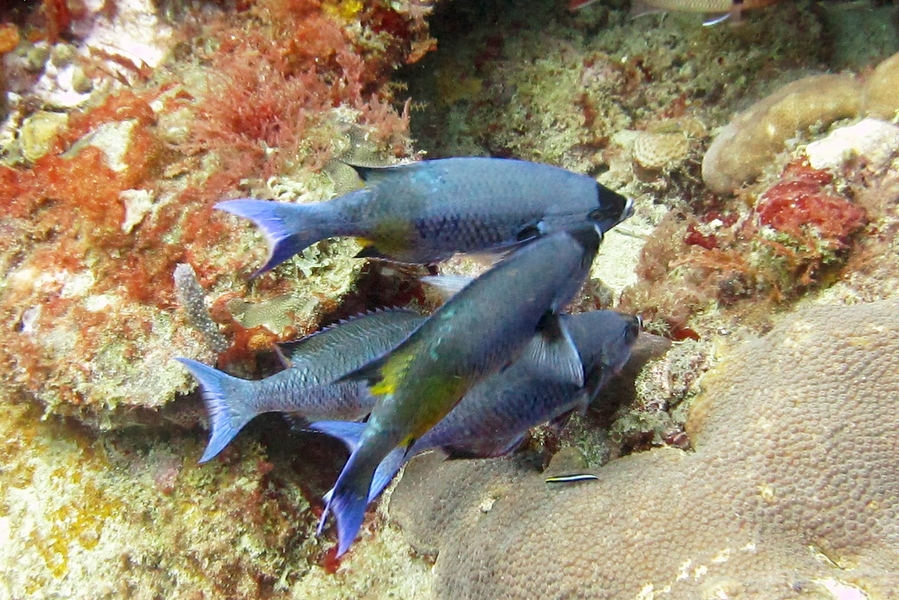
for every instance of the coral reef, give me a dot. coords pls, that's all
(753, 138)
(789, 232)
(125, 120)
(532, 81)
(666, 146)
(749, 143)
(192, 298)
(109, 184)
(791, 490)
(130, 513)
(871, 140)
(879, 96)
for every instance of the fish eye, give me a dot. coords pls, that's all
(529, 232)
(602, 214)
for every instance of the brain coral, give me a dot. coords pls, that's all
(754, 137)
(792, 490)
(879, 98)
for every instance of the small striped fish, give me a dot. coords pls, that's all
(573, 478)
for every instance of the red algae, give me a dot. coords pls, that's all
(799, 205)
(59, 18)
(125, 190)
(274, 84)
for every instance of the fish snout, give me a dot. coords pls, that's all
(613, 209)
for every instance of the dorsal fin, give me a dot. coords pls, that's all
(376, 173)
(288, 349)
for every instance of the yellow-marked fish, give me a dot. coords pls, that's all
(427, 211)
(496, 414)
(723, 9)
(509, 311)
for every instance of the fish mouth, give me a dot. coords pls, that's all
(614, 208)
(628, 211)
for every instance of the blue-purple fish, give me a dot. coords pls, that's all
(309, 387)
(510, 310)
(427, 211)
(494, 417)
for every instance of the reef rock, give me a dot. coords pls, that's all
(754, 137)
(871, 140)
(792, 489)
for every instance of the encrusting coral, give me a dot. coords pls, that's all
(879, 98)
(792, 490)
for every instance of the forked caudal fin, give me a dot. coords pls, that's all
(350, 434)
(225, 399)
(288, 228)
(350, 496)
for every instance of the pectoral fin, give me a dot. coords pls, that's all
(447, 285)
(531, 231)
(553, 351)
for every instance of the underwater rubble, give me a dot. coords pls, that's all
(117, 140)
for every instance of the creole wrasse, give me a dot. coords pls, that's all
(510, 310)
(307, 388)
(427, 211)
(494, 417)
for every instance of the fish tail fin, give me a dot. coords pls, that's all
(348, 432)
(350, 496)
(288, 228)
(386, 471)
(225, 399)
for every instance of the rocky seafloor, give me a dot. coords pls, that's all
(752, 457)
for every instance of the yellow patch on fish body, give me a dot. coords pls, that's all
(392, 373)
(393, 235)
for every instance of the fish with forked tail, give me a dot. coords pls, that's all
(510, 310)
(427, 211)
(307, 388)
(494, 417)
